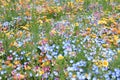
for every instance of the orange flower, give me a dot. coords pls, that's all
(114, 30)
(18, 77)
(115, 43)
(21, 2)
(10, 65)
(19, 34)
(15, 44)
(118, 31)
(27, 13)
(40, 59)
(7, 62)
(88, 29)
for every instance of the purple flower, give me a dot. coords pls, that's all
(56, 78)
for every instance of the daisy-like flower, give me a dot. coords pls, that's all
(105, 63)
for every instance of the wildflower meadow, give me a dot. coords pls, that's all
(59, 39)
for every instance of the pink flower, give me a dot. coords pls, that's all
(9, 57)
(57, 78)
(46, 69)
(1, 49)
(0, 44)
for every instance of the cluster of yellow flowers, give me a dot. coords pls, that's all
(102, 63)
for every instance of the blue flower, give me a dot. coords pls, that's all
(70, 74)
(94, 78)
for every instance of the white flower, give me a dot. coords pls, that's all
(0, 78)
(73, 79)
(71, 61)
(56, 73)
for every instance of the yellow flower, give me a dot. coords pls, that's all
(93, 35)
(0, 24)
(76, 24)
(24, 28)
(74, 76)
(53, 32)
(79, 1)
(8, 34)
(118, 51)
(102, 22)
(59, 9)
(86, 75)
(15, 44)
(41, 72)
(20, 33)
(10, 65)
(118, 7)
(105, 63)
(70, 4)
(43, 65)
(77, 40)
(88, 29)
(47, 20)
(0, 68)
(111, 19)
(16, 62)
(18, 49)
(27, 54)
(0, 60)
(27, 25)
(47, 62)
(99, 63)
(27, 68)
(116, 37)
(60, 57)
(8, 0)
(104, 45)
(66, 73)
(4, 3)
(41, 22)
